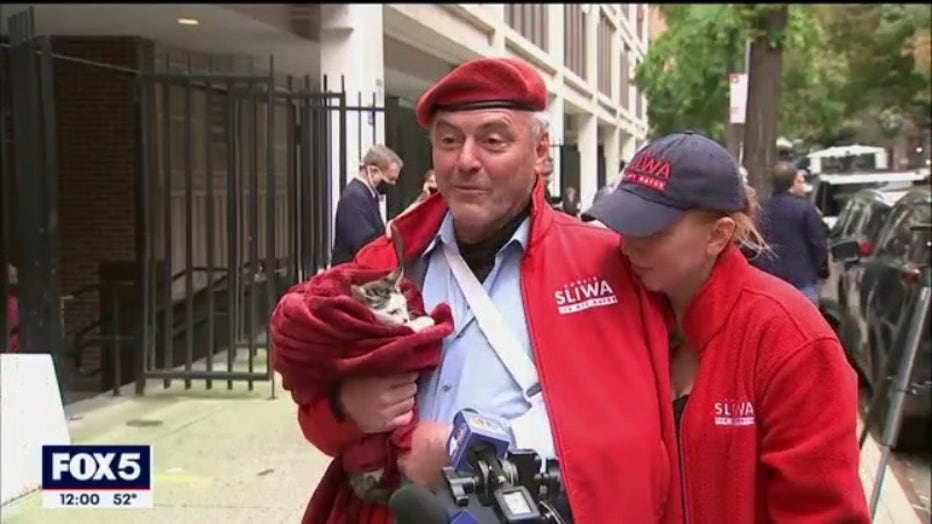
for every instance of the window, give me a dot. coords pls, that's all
(847, 215)
(606, 36)
(530, 20)
(856, 216)
(922, 238)
(575, 39)
(876, 216)
(831, 198)
(896, 237)
(623, 73)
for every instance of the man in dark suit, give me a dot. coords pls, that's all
(794, 229)
(359, 219)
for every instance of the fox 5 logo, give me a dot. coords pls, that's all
(96, 467)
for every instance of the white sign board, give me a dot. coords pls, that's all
(31, 415)
(738, 98)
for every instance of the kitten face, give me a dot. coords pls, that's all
(384, 298)
(394, 312)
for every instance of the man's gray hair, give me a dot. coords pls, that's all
(382, 157)
(540, 123)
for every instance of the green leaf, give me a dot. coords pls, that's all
(846, 68)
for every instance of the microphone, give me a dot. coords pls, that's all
(412, 504)
(476, 436)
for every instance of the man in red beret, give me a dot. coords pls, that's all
(553, 333)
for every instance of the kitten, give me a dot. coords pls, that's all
(384, 298)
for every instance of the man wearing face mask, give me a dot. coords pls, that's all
(793, 228)
(359, 220)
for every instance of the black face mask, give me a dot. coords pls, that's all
(383, 187)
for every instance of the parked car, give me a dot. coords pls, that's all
(860, 220)
(881, 289)
(830, 193)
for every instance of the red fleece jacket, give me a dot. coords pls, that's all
(769, 430)
(321, 335)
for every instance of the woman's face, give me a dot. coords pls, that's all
(679, 257)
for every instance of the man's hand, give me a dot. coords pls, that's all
(381, 404)
(428, 454)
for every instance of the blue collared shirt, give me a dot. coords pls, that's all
(470, 375)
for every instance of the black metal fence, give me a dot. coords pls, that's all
(233, 202)
(262, 181)
(29, 192)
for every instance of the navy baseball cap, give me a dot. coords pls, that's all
(666, 178)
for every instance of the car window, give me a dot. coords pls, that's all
(921, 238)
(855, 218)
(896, 237)
(844, 217)
(878, 213)
(919, 250)
(833, 197)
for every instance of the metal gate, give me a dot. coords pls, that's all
(229, 222)
(28, 194)
(232, 201)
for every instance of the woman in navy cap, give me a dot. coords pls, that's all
(765, 402)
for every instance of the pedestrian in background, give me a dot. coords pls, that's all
(570, 202)
(359, 219)
(428, 186)
(793, 227)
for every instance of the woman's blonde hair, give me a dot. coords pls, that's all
(747, 236)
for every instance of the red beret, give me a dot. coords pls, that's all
(484, 83)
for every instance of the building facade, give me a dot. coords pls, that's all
(586, 54)
(142, 158)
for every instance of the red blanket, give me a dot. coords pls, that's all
(321, 335)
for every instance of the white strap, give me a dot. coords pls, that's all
(490, 321)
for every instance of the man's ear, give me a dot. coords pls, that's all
(542, 151)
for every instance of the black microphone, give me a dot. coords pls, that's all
(412, 504)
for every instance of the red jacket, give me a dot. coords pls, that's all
(604, 369)
(769, 430)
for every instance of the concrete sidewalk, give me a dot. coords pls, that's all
(894, 506)
(219, 456)
(238, 457)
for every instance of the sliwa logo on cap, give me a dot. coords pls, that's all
(648, 170)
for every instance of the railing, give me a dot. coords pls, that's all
(95, 334)
(82, 337)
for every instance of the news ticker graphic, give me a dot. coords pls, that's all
(97, 476)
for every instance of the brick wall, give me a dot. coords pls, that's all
(96, 122)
